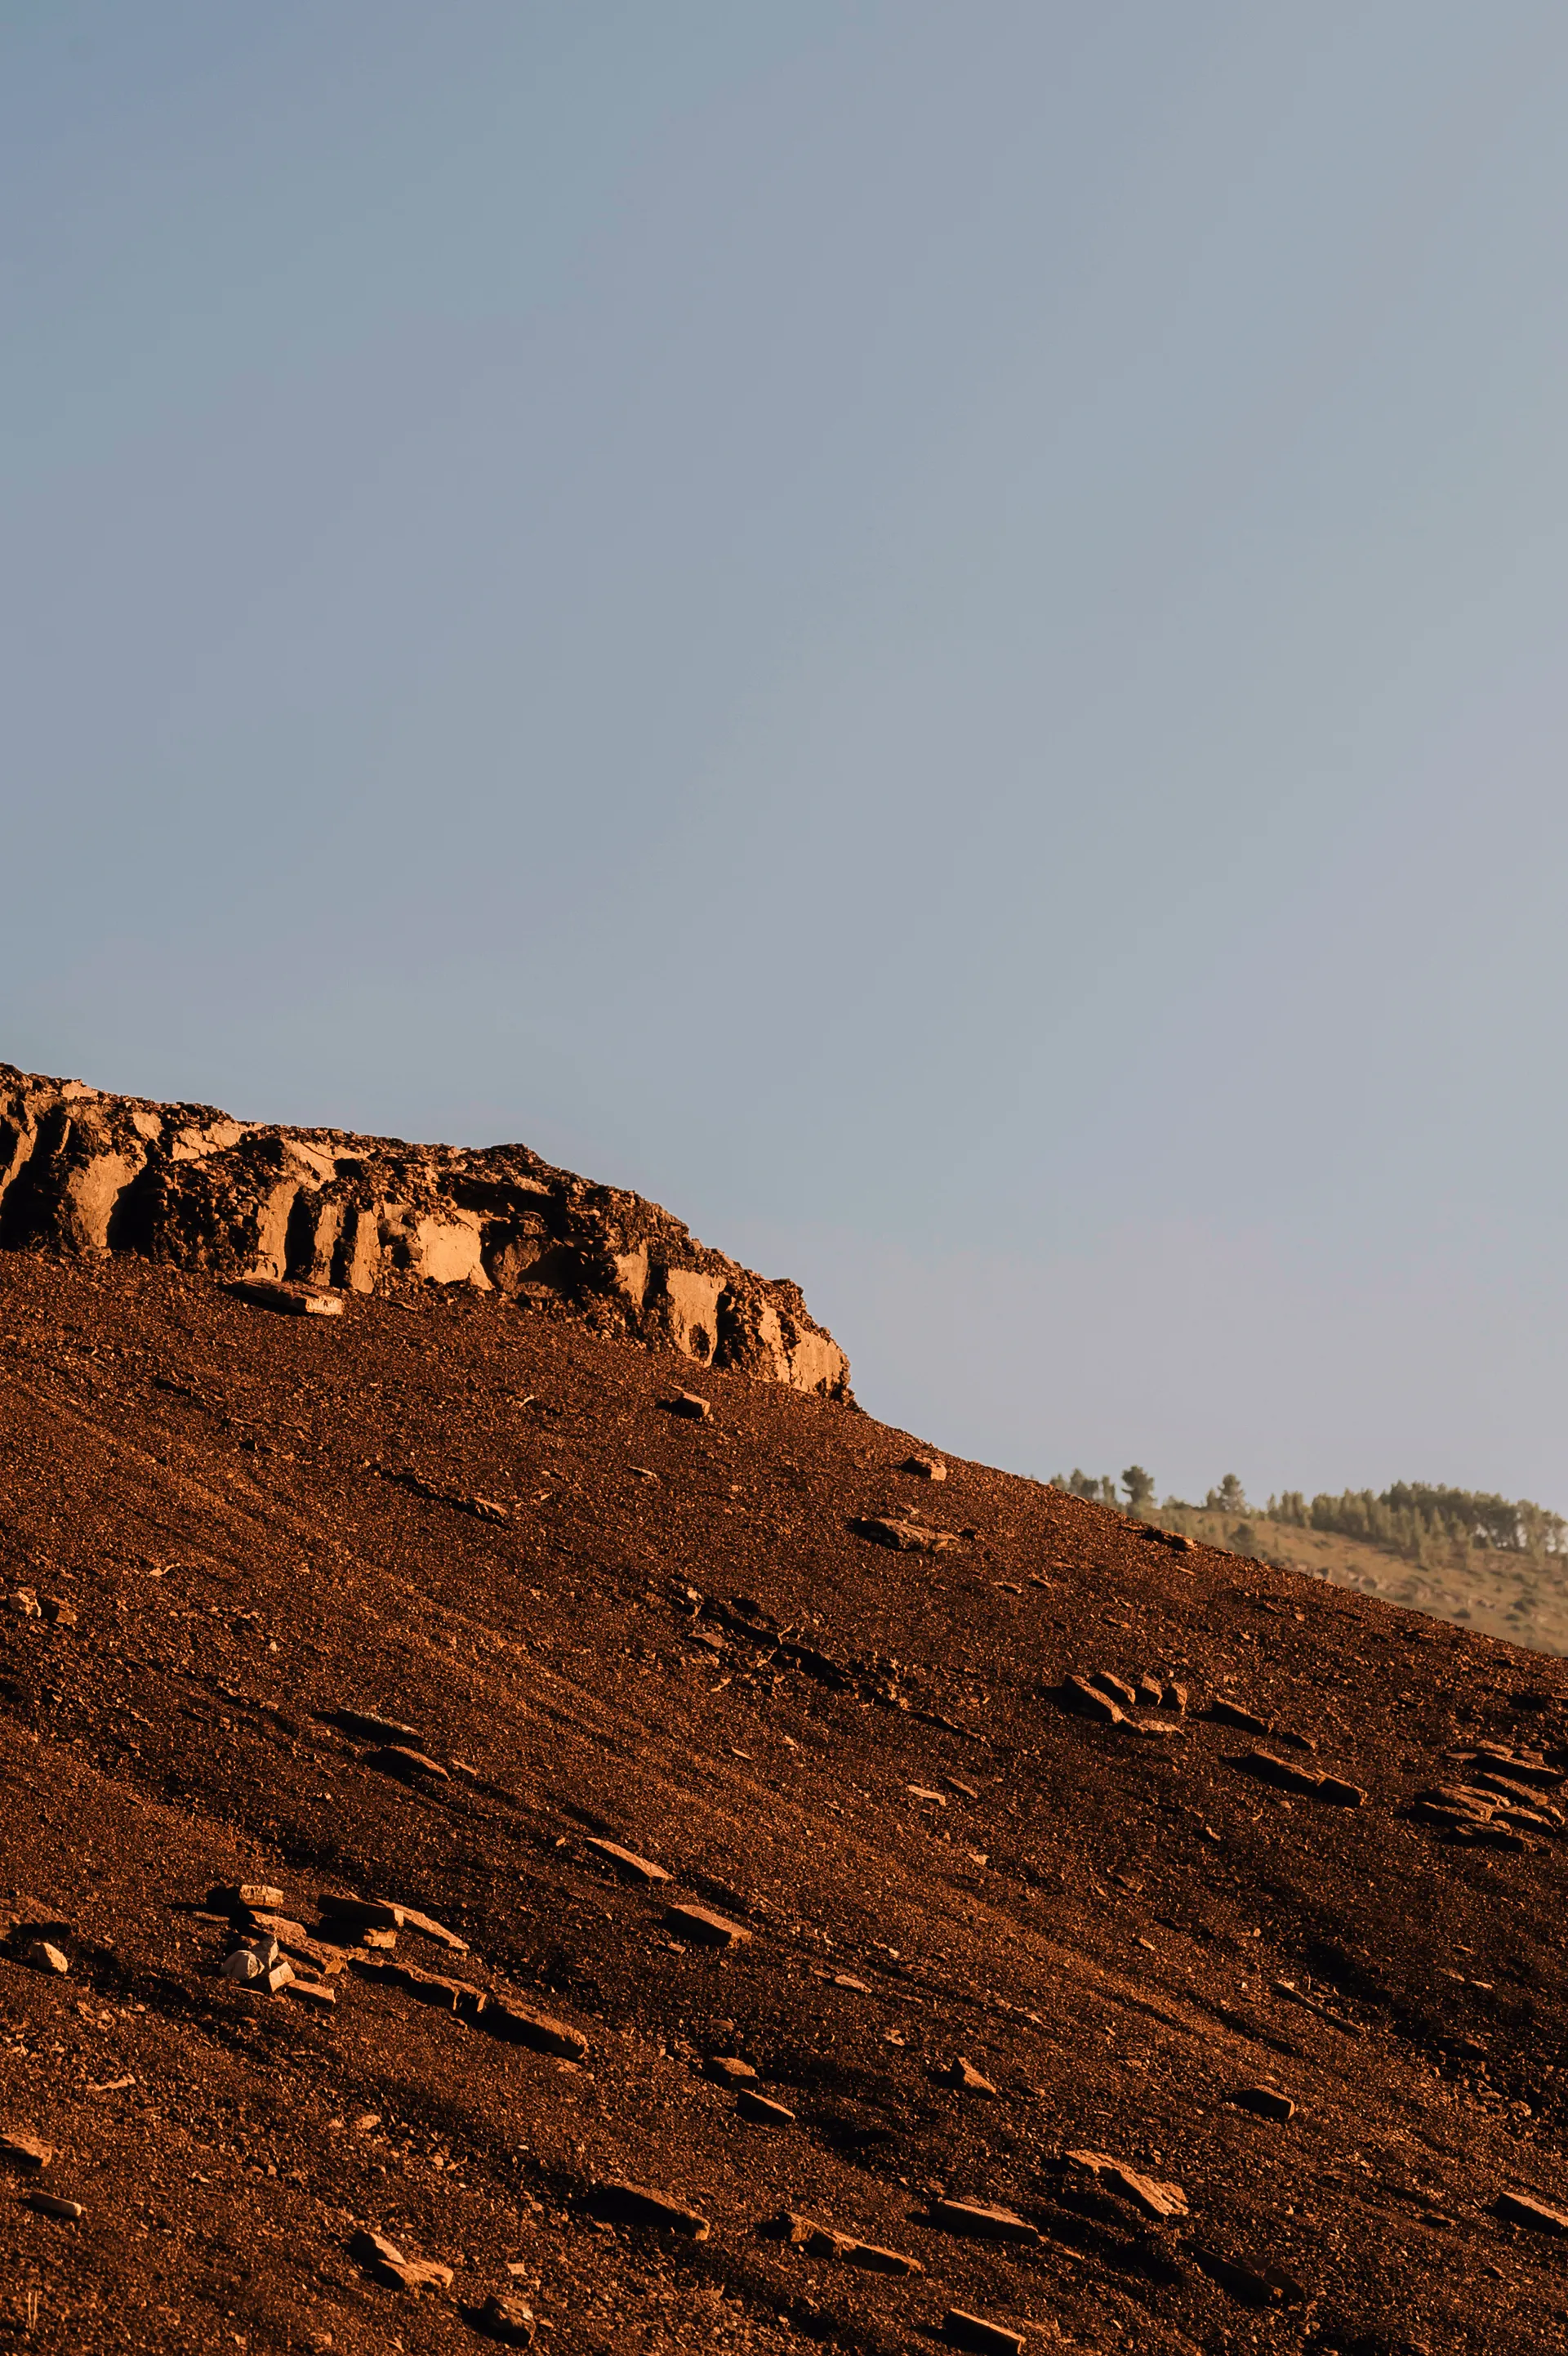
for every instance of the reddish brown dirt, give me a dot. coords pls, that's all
(260, 1521)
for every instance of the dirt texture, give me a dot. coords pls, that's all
(494, 1858)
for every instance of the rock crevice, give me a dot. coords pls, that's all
(86, 1173)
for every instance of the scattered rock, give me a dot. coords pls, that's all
(409, 1765)
(1174, 1697)
(906, 1537)
(290, 1299)
(964, 2075)
(24, 1603)
(312, 1991)
(619, 2203)
(1256, 2286)
(1523, 2208)
(1264, 2102)
(627, 1863)
(923, 1791)
(45, 1956)
(59, 1612)
(385, 2263)
(47, 2205)
(962, 2329)
(1304, 1781)
(762, 2110)
(1118, 1687)
(1151, 1693)
(1154, 2198)
(517, 2024)
(23, 2151)
(926, 1468)
(377, 1729)
(982, 2223)
(351, 1917)
(729, 2069)
(691, 1404)
(706, 1930)
(1230, 1713)
(955, 1784)
(507, 2319)
(1077, 1694)
(230, 1895)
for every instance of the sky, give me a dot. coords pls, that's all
(933, 633)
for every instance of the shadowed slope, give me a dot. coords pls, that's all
(826, 1695)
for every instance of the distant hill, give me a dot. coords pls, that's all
(1495, 1564)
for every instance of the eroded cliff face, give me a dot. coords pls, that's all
(86, 1172)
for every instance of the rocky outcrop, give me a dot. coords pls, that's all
(185, 1185)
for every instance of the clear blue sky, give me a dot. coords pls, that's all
(934, 633)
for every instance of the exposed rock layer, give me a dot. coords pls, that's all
(186, 1185)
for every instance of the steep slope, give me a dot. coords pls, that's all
(826, 1695)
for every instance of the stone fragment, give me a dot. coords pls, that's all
(427, 1925)
(962, 2329)
(905, 1538)
(312, 1991)
(964, 2075)
(1285, 1776)
(691, 1404)
(1256, 2286)
(47, 2205)
(956, 1783)
(1078, 1694)
(413, 2274)
(1523, 2208)
(509, 2320)
(244, 1966)
(377, 1729)
(1118, 1687)
(762, 2110)
(23, 2151)
(45, 1956)
(729, 2069)
(982, 2223)
(24, 1603)
(627, 1863)
(371, 2249)
(352, 1917)
(517, 2024)
(925, 1468)
(1264, 2102)
(1154, 2198)
(59, 1612)
(230, 1895)
(621, 2203)
(824, 2241)
(277, 1975)
(695, 1922)
(1151, 1693)
(923, 1791)
(398, 1759)
(1230, 1713)
(1157, 1730)
(290, 1299)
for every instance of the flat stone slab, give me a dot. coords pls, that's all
(1264, 2102)
(1155, 2200)
(962, 2329)
(762, 2110)
(628, 1862)
(518, 2024)
(48, 2205)
(982, 2223)
(695, 1922)
(618, 2202)
(1523, 2208)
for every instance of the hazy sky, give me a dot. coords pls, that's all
(933, 633)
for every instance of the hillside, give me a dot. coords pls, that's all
(1497, 1593)
(752, 1847)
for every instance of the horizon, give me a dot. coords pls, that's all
(930, 639)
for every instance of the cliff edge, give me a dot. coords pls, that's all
(85, 1173)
